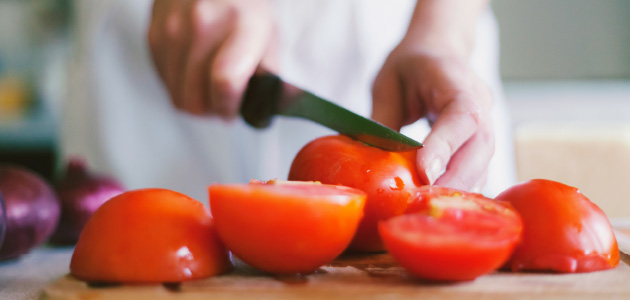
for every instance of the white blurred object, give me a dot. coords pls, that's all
(577, 133)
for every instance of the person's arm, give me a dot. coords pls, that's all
(428, 75)
(445, 25)
(205, 51)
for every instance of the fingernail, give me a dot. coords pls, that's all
(434, 170)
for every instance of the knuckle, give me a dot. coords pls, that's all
(174, 26)
(202, 16)
(207, 16)
(226, 94)
(475, 107)
(450, 147)
(224, 87)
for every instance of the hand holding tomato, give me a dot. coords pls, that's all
(456, 103)
(428, 75)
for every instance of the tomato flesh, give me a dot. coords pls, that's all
(149, 236)
(451, 235)
(286, 228)
(563, 230)
(386, 177)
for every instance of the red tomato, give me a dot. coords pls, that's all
(149, 236)
(563, 230)
(286, 228)
(386, 177)
(452, 235)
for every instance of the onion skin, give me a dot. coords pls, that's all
(3, 220)
(80, 193)
(32, 210)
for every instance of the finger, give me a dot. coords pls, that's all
(233, 65)
(387, 99)
(174, 47)
(270, 60)
(209, 28)
(414, 108)
(455, 125)
(468, 167)
(156, 38)
(481, 183)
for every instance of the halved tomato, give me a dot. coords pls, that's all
(149, 236)
(286, 228)
(563, 230)
(451, 235)
(386, 177)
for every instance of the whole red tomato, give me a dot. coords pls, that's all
(286, 228)
(149, 236)
(563, 230)
(386, 177)
(452, 235)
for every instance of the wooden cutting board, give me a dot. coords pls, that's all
(366, 277)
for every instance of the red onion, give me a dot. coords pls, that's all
(81, 193)
(32, 210)
(3, 220)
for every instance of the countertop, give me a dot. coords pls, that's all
(26, 277)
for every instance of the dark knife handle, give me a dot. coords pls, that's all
(261, 99)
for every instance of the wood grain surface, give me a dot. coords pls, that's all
(365, 277)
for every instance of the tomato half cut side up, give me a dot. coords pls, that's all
(286, 228)
(563, 230)
(149, 236)
(450, 235)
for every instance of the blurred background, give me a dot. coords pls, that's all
(34, 37)
(565, 66)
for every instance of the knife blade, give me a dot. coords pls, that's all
(268, 95)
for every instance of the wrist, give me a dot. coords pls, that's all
(445, 27)
(455, 44)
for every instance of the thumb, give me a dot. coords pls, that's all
(387, 99)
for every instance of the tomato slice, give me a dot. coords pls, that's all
(286, 228)
(563, 230)
(386, 177)
(149, 236)
(451, 235)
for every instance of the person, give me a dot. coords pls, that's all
(156, 86)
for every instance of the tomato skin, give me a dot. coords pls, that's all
(286, 229)
(563, 230)
(149, 236)
(450, 235)
(386, 177)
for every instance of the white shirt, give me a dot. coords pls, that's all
(119, 118)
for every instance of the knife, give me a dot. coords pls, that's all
(267, 95)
